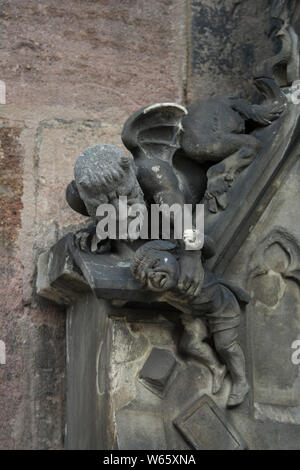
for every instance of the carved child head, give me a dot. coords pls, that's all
(103, 173)
(155, 266)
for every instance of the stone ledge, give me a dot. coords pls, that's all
(65, 273)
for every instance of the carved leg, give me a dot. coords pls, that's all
(221, 176)
(232, 354)
(192, 343)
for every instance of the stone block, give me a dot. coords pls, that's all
(205, 427)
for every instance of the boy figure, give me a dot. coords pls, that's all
(102, 174)
(217, 303)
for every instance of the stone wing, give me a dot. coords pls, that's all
(154, 131)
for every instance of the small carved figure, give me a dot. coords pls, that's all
(183, 154)
(214, 132)
(217, 302)
(102, 174)
(284, 66)
(180, 156)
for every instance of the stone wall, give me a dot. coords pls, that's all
(74, 71)
(227, 39)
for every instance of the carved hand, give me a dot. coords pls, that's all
(82, 238)
(191, 274)
(217, 187)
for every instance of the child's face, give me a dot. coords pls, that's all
(165, 275)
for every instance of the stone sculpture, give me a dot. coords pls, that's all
(217, 302)
(228, 154)
(181, 155)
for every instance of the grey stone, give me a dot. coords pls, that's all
(57, 277)
(206, 428)
(263, 178)
(157, 370)
(88, 364)
(140, 431)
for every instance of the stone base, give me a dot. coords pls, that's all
(129, 388)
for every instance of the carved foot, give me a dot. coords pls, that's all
(218, 182)
(215, 201)
(218, 379)
(229, 178)
(238, 393)
(220, 178)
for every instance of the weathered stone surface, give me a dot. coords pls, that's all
(12, 336)
(11, 183)
(263, 177)
(89, 335)
(73, 73)
(268, 262)
(227, 40)
(110, 374)
(68, 140)
(205, 427)
(157, 370)
(92, 54)
(65, 287)
(35, 357)
(112, 392)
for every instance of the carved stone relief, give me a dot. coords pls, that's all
(275, 288)
(230, 155)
